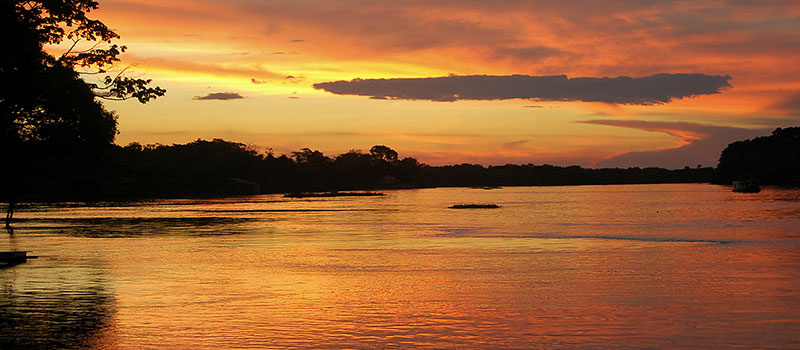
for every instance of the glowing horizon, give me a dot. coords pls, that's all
(271, 54)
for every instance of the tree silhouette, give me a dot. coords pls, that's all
(383, 153)
(354, 169)
(770, 160)
(48, 105)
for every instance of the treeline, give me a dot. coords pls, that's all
(770, 160)
(218, 167)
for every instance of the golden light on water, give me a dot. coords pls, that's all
(583, 266)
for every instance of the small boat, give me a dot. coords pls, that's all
(474, 206)
(748, 186)
(14, 258)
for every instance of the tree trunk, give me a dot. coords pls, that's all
(10, 212)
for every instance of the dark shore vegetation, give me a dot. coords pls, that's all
(769, 160)
(53, 127)
(220, 168)
(332, 194)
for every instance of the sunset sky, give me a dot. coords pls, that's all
(281, 75)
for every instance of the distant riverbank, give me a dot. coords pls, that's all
(215, 168)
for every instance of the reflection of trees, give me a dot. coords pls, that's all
(54, 310)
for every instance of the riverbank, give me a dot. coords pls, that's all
(220, 168)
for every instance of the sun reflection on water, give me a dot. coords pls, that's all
(590, 266)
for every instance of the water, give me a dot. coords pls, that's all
(637, 266)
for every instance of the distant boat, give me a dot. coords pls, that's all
(749, 186)
(474, 206)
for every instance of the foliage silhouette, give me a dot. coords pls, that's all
(332, 194)
(381, 152)
(205, 169)
(50, 118)
(771, 160)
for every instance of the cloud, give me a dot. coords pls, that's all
(221, 96)
(515, 144)
(257, 81)
(612, 38)
(790, 105)
(291, 79)
(526, 54)
(654, 89)
(195, 67)
(700, 144)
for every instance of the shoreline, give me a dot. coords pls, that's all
(133, 200)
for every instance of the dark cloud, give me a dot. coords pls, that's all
(222, 96)
(291, 79)
(703, 144)
(297, 41)
(256, 81)
(654, 89)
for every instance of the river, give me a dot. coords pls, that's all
(638, 266)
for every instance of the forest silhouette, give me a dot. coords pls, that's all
(219, 168)
(769, 160)
(222, 168)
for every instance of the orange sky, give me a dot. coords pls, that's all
(271, 53)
